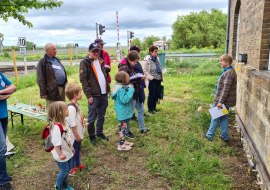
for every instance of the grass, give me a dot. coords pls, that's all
(174, 150)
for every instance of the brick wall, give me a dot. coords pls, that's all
(253, 88)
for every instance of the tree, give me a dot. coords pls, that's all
(203, 29)
(148, 41)
(30, 45)
(136, 42)
(16, 8)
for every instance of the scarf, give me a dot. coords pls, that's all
(158, 66)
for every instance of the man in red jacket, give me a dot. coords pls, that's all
(106, 58)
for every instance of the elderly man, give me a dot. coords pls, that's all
(96, 87)
(6, 89)
(51, 76)
(106, 58)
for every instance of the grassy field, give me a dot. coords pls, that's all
(174, 155)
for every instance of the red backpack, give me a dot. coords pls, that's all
(47, 136)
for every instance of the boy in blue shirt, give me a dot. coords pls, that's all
(6, 89)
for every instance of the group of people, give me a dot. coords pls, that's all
(67, 125)
(94, 74)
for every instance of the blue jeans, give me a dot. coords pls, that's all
(4, 178)
(65, 167)
(140, 108)
(223, 121)
(76, 157)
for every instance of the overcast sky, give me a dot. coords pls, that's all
(74, 21)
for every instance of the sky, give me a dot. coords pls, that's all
(75, 20)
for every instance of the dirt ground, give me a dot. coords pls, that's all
(237, 166)
(119, 170)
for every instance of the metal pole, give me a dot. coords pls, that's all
(25, 66)
(15, 66)
(97, 30)
(118, 46)
(128, 32)
(1, 43)
(70, 55)
(228, 27)
(76, 52)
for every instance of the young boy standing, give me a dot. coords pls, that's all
(76, 123)
(225, 94)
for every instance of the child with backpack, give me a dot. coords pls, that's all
(60, 136)
(76, 123)
(122, 96)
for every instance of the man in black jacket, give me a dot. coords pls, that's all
(96, 88)
(51, 76)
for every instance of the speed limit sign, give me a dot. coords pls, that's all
(22, 41)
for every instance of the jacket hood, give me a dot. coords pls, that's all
(117, 87)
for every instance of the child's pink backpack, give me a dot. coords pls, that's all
(47, 136)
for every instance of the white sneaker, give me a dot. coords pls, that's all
(123, 147)
(128, 143)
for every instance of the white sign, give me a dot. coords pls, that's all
(22, 41)
(22, 50)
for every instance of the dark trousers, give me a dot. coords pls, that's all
(154, 86)
(97, 111)
(76, 157)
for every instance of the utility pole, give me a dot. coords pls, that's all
(118, 46)
(128, 39)
(97, 29)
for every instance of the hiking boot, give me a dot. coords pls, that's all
(155, 110)
(128, 143)
(145, 131)
(81, 167)
(210, 139)
(123, 147)
(225, 140)
(73, 171)
(130, 135)
(93, 140)
(6, 186)
(69, 188)
(103, 137)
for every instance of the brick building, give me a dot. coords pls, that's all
(249, 33)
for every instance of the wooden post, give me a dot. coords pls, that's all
(15, 66)
(70, 55)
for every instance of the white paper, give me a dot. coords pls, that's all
(216, 113)
(137, 75)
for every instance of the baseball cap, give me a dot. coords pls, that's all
(99, 41)
(134, 48)
(93, 46)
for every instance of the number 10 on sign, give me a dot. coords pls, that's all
(22, 43)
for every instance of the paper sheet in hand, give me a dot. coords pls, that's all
(216, 113)
(137, 75)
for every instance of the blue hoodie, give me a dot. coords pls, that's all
(122, 96)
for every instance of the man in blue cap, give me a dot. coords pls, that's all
(96, 88)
